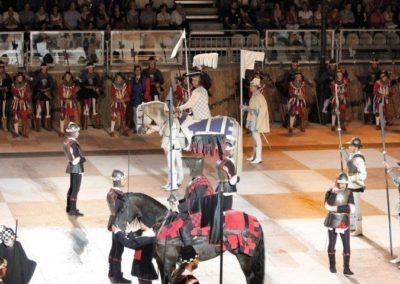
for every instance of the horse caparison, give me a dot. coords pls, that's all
(166, 254)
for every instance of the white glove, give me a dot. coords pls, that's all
(76, 161)
(133, 226)
(148, 233)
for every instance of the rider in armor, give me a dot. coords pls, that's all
(21, 104)
(67, 92)
(5, 95)
(73, 153)
(115, 202)
(88, 95)
(198, 102)
(257, 119)
(189, 208)
(357, 172)
(44, 87)
(120, 92)
(381, 96)
(339, 202)
(297, 101)
(339, 102)
(227, 180)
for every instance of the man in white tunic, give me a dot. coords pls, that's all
(198, 103)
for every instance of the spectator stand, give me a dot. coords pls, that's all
(135, 47)
(304, 45)
(358, 45)
(227, 43)
(67, 48)
(12, 48)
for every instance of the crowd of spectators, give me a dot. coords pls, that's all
(28, 15)
(306, 14)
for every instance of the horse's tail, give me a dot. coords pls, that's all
(258, 263)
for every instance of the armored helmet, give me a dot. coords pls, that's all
(356, 142)
(117, 176)
(342, 178)
(72, 128)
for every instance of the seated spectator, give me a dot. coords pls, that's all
(253, 8)
(27, 17)
(245, 20)
(305, 16)
(232, 19)
(292, 21)
(347, 17)
(102, 19)
(360, 16)
(178, 17)
(55, 19)
(387, 18)
(263, 19)
(117, 19)
(147, 18)
(163, 18)
(277, 16)
(317, 16)
(1, 21)
(86, 17)
(375, 20)
(10, 19)
(141, 4)
(71, 17)
(170, 4)
(156, 4)
(41, 19)
(334, 19)
(132, 17)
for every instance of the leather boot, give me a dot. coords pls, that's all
(73, 211)
(68, 208)
(118, 276)
(346, 262)
(48, 124)
(366, 118)
(25, 128)
(4, 123)
(97, 121)
(332, 262)
(38, 124)
(186, 234)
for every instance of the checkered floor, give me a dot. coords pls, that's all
(285, 193)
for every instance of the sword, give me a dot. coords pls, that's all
(383, 122)
(339, 127)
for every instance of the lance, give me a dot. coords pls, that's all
(337, 110)
(383, 122)
(171, 154)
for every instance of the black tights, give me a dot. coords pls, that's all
(345, 241)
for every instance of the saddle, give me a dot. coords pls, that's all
(241, 231)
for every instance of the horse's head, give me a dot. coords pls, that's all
(137, 205)
(126, 214)
(226, 171)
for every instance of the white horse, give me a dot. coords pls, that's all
(207, 134)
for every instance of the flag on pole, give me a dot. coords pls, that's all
(206, 59)
(247, 60)
(178, 44)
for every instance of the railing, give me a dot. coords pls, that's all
(304, 45)
(137, 46)
(66, 47)
(12, 48)
(227, 45)
(120, 49)
(360, 45)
